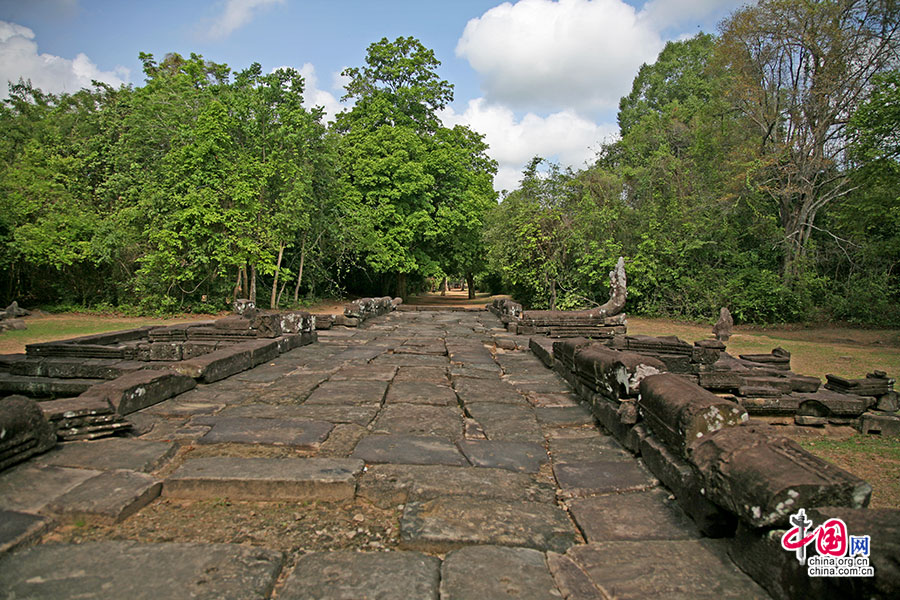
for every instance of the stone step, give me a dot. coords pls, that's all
(265, 479)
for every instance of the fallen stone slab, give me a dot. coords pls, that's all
(293, 433)
(216, 365)
(348, 393)
(602, 477)
(140, 389)
(681, 412)
(73, 408)
(120, 569)
(697, 569)
(886, 425)
(764, 478)
(649, 515)
(363, 576)
(265, 479)
(110, 454)
(479, 572)
(421, 392)
(828, 403)
(44, 387)
(390, 485)
(18, 528)
(525, 457)
(420, 419)
(407, 449)
(24, 430)
(113, 495)
(29, 488)
(445, 524)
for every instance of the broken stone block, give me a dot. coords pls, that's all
(24, 430)
(888, 403)
(140, 389)
(617, 374)
(680, 412)
(810, 421)
(828, 403)
(216, 365)
(764, 478)
(872, 385)
(723, 327)
(880, 424)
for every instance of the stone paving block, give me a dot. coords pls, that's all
(526, 457)
(689, 569)
(480, 572)
(363, 576)
(554, 400)
(420, 419)
(506, 422)
(602, 477)
(650, 515)
(366, 373)
(390, 485)
(295, 433)
(572, 416)
(410, 450)
(290, 389)
(445, 524)
(587, 448)
(268, 373)
(265, 479)
(495, 391)
(481, 371)
(114, 495)
(413, 360)
(28, 488)
(423, 374)
(346, 393)
(359, 415)
(17, 528)
(111, 453)
(138, 571)
(421, 392)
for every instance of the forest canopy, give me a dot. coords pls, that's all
(755, 169)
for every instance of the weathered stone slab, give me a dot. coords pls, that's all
(416, 392)
(413, 360)
(359, 415)
(294, 433)
(571, 416)
(24, 430)
(348, 393)
(366, 373)
(585, 449)
(363, 576)
(266, 479)
(506, 422)
(444, 524)
(602, 477)
(649, 515)
(696, 569)
(176, 407)
(410, 450)
(110, 454)
(880, 424)
(29, 488)
(436, 375)
(828, 403)
(681, 412)
(113, 495)
(526, 457)
(120, 569)
(764, 478)
(555, 400)
(43, 387)
(496, 391)
(216, 365)
(479, 572)
(420, 419)
(390, 485)
(133, 391)
(18, 528)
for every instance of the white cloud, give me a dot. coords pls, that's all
(237, 13)
(540, 54)
(562, 136)
(19, 58)
(313, 96)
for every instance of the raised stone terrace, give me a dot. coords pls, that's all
(420, 455)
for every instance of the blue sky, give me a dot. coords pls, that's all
(537, 77)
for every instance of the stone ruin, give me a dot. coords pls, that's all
(604, 322)
(359, 311)
(11, 317)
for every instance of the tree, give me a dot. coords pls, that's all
(800, 69)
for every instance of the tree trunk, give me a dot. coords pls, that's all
(253, 284)
(238, 290)
(300, 273)
(444, 287)
(245, 290)
(273, 301)
(470, 281)
(553, 295)
(401, 285)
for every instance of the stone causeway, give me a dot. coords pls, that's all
(504, 468)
